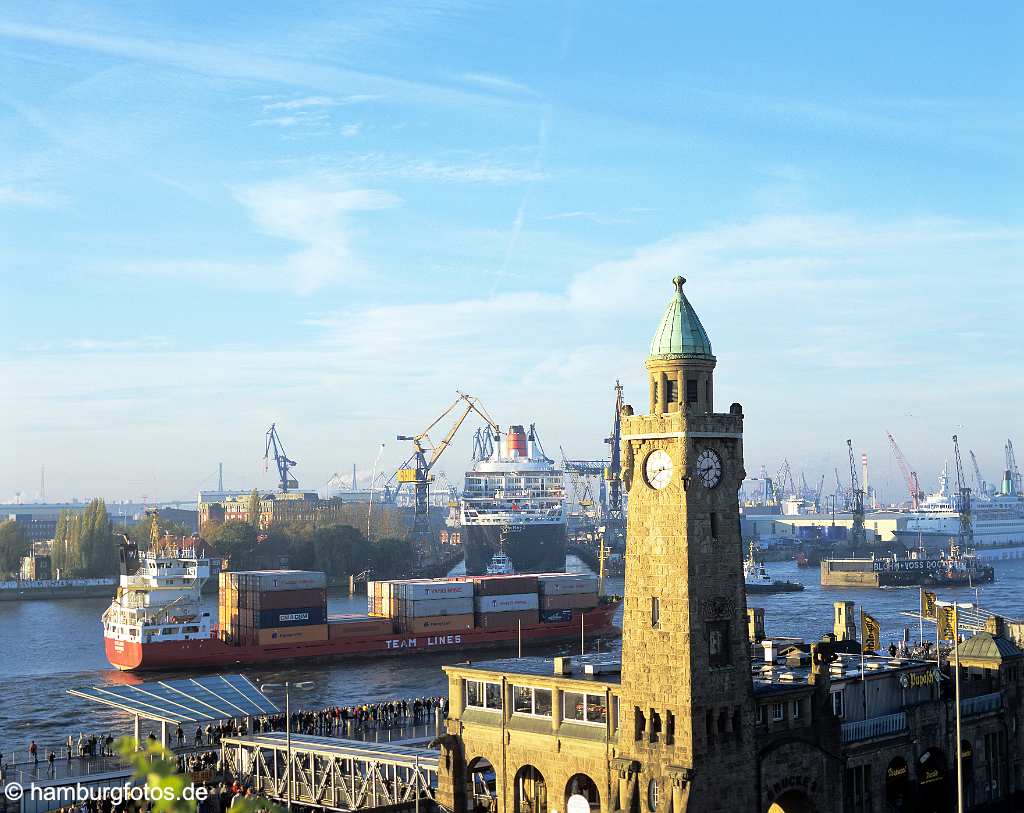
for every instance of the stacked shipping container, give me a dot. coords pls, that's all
(424, 606)
(265, 607)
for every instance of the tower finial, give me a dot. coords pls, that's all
(679, 282)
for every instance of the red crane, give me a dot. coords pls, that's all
(913, 487)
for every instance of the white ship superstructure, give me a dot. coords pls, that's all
(158, 595)
(517, 485)
(996, 519)
(513, 504)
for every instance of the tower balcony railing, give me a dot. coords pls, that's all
(888, 725)
(981, 704)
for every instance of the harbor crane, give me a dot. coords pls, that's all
(417, 468)
(857, 535)
(966, 537)
(909, 475)
(281, 460)
(615, 525)
(979, 481)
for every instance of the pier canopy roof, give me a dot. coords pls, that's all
(190, 700)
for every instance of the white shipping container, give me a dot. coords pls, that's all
(438, 606)
(567, 584)
(427, 590)
(270, 581)
(515, 603)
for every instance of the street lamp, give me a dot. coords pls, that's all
(305, 685)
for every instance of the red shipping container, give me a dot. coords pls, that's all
(363, 628)
(439, 623)
(504, 585)
(505, 621)
(283, 599)
(577, 601)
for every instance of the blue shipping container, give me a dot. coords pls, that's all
(295, 617)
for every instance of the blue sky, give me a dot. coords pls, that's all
(332, 216)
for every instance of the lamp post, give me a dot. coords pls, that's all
(373, 483)
(305, 685)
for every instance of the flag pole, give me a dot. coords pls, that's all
(863, 672)
(920, 612)
(519, 637)
(583, 640)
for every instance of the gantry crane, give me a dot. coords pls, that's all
(857, 535)
(909, 475)
(281, 460)
(417, 468)
(966, 537)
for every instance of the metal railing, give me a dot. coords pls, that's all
(887, 725)
(981, 704)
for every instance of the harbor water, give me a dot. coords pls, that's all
(49, 647)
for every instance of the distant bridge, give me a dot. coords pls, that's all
(334, 774)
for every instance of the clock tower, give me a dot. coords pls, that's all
(686, 738)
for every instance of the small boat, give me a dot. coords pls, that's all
(757, 580)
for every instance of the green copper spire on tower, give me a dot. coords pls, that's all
(680, 334)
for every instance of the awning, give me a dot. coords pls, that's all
(191, 700)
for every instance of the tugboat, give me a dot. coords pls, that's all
(500, 564)
(757, 580)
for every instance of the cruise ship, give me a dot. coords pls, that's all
(997, 520)
(513, 504)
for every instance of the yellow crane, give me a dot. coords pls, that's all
(417, 469)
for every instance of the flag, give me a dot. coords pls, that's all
(871, 632)
(947, 623)
(927, 604)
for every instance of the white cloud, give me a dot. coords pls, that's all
(320, 101)
(825, 328)
(32, 197)
(350, 130)
(496, 83)
(312, 212)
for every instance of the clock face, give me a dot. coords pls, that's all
(658, 469)
(709, 468)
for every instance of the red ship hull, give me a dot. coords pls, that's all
(212, 653)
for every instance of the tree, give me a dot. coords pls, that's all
(14, 544)
(140, 532)
(236, 540)
(253, 509)
(393, 558)
(98, 550)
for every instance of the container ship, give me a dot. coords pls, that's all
(513, 503)
(952, 569)
(155, 621)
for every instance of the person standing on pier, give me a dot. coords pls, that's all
(180, 734)
(51, 759)
(33, 751)
(71, 746)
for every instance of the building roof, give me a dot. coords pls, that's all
(984, 647)
(604, 668)
(680, 334)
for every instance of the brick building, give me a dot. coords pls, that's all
(694, 716)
